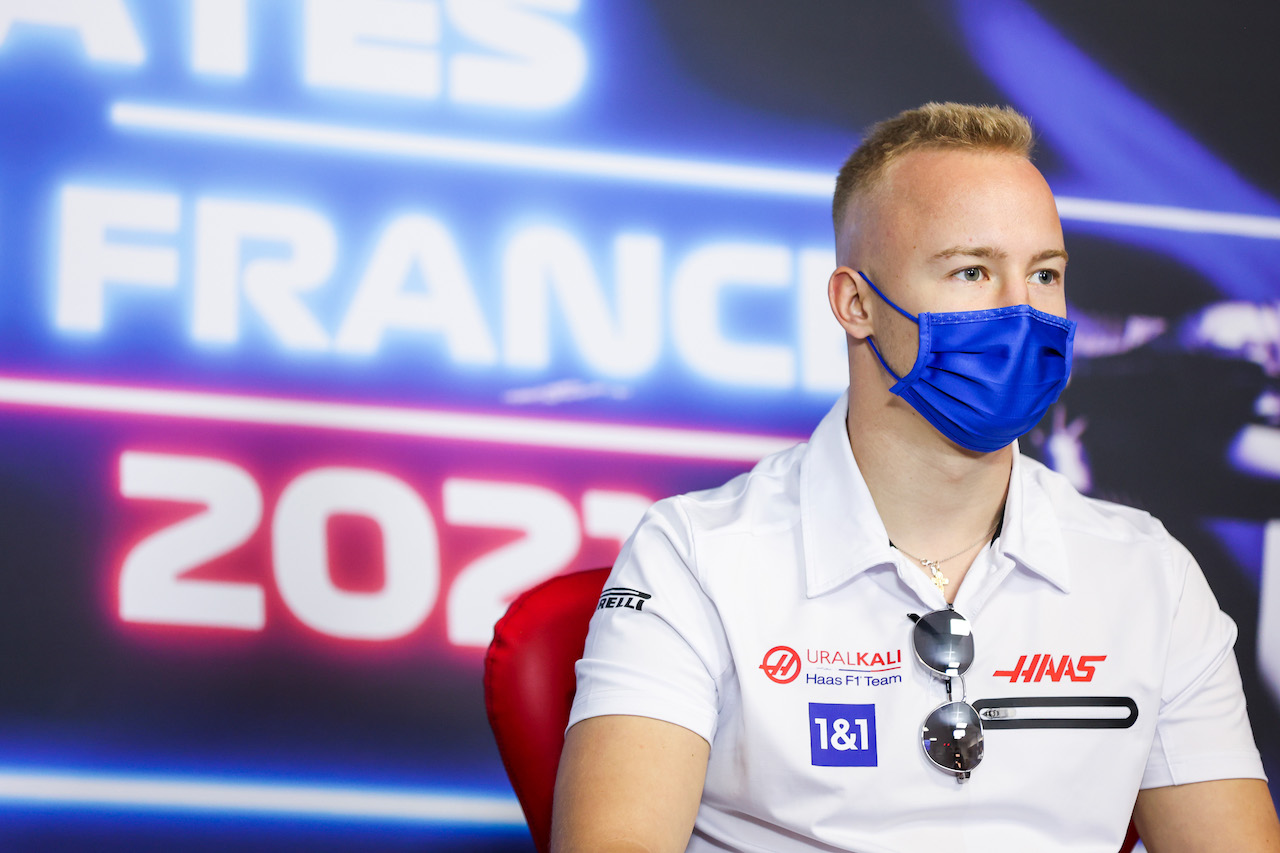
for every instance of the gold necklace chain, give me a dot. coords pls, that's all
(939, 579)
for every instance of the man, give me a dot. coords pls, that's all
(902, 636)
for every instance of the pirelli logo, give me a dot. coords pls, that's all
(622, 596)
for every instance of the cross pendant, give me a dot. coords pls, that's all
(939, 579)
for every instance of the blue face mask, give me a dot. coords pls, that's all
(984, 378)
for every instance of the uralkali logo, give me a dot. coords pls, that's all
(781, 664)
(864, 661)
(858, 668)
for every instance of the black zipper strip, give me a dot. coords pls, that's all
(989, 712)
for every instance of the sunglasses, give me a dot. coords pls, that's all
(952, 733)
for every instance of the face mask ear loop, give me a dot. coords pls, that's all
(886, 301)
(883, 363)
(912, 317)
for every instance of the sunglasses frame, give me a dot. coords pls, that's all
(955, 672)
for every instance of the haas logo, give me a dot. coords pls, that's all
(781, 664)
(1081, 669)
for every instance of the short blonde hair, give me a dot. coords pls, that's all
(934, 125)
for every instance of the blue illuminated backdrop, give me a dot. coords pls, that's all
(328, 326)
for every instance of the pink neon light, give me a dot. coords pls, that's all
(388, 420)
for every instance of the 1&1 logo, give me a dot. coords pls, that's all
(781, 664)
(842, 735)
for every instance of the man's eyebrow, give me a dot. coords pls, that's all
(1050, 253)
(970, 252)
(989, 252)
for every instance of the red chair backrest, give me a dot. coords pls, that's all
(529, 685)
(1130, 839)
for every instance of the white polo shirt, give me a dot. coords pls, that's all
(769, 616)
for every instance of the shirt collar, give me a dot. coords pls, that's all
(1032, 535)
(844, 536)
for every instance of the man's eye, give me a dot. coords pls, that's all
(970, 274)
(1044, 277)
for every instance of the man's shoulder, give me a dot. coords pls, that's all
(767, 494)
(1093, 516)
(683, 527)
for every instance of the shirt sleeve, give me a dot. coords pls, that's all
(1203, 730)
(656, 647)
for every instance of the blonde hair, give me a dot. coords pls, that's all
(934, 125)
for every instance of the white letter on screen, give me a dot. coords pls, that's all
(105, 28)
(1269, 610)
(88, 259)
(272, 285)
(824, 353)
(483, 590)
(699, 284)
(420, 249)
(152, 586)
(220, 37)
(530, 60)
(300, 551)
(386, 46)
(542, 261)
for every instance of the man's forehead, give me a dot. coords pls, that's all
(933, 199)
(930, 173)
(954, 200)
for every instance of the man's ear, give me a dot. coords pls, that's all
(847, 291)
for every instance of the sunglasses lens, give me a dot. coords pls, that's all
(944, 642)
(952, 737)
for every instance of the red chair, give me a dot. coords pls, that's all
(529, 685)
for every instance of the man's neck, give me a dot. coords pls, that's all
(933, 497)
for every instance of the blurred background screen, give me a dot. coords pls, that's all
(329, 326)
